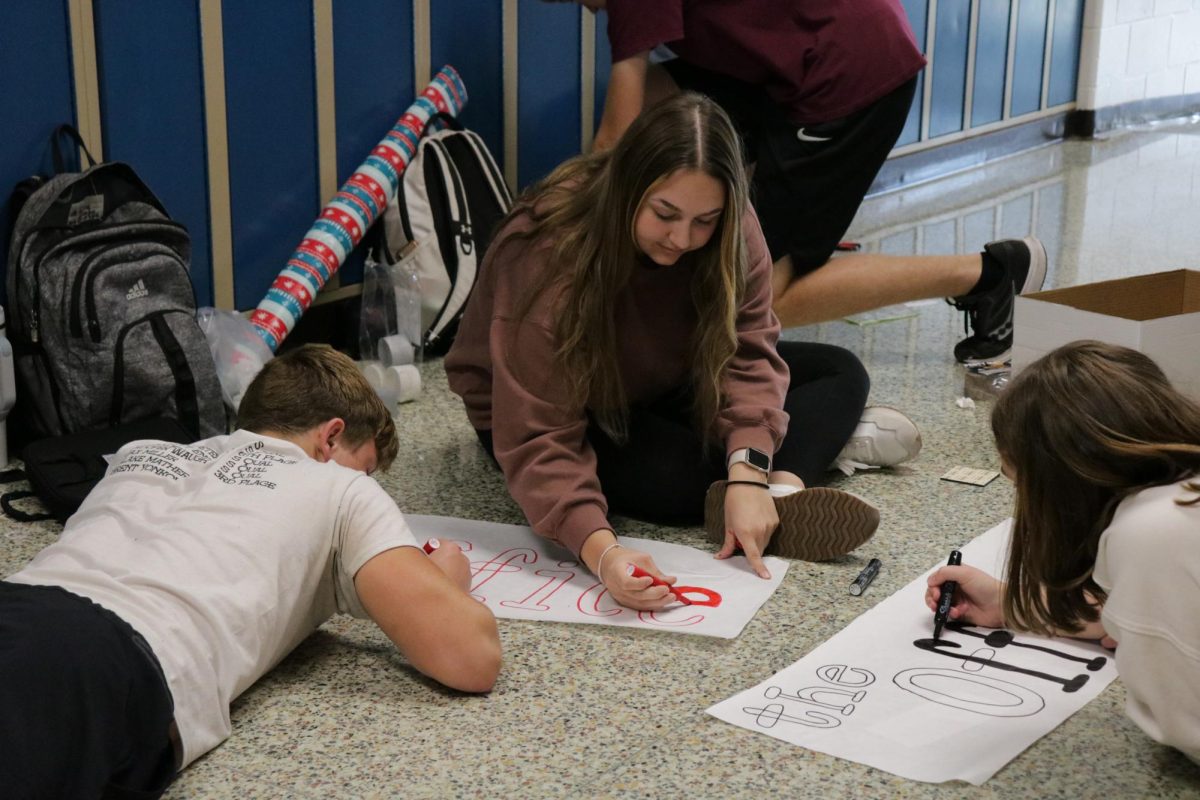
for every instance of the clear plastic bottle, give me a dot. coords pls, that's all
(377, 319)
(406, 285)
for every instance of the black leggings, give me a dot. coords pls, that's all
(663, 470)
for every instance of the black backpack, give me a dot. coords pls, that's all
(62, 471)
(451, 196)
(102, 313)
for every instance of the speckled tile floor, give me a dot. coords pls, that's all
(589, 711)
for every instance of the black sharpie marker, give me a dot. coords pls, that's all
(865, 577)
(946, 597)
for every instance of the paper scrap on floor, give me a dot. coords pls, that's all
(876, 694)
(520, 575)
(975, 477)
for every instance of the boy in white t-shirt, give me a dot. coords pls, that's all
(191, 570)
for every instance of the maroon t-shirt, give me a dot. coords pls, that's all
(820, 60)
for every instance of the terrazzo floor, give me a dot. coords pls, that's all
(592, 711)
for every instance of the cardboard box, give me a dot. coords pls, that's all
(1158, 315)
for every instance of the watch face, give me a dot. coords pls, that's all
(758, 459)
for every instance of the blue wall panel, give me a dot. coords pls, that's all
(949, 68)
(1064, 60)
(991, 54)
(271, 110)
(152, 111)
(1027, 60)
(373, 84)
(36, 92)
(152, 95)
(918, 13)
(603, 64)
(547, 87)
(469, 35)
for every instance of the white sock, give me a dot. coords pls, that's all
(781, 489)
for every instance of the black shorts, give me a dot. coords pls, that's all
(84, 707)
(806, 191)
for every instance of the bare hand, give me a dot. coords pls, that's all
(637, 593)
(450, 559)
(750, 520)
(977, 599)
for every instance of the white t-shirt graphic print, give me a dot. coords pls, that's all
(224, 555)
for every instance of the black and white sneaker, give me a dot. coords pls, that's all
(990, 313)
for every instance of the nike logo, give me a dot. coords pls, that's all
(808, 137)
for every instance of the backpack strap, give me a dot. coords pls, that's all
(13, 513)
(60, 160)
(186, 396)
(12, 475)
(442, 120)
(6, 499)
(463, 241)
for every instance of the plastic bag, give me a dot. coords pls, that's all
(237, 350)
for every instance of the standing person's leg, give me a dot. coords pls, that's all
(808, 185)
(86, 713)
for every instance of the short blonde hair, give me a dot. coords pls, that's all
(305, 387)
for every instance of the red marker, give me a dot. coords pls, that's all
(430, 546)
(638, 572)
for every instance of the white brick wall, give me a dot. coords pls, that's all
(1138, 49)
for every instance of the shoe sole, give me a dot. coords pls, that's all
(1005, 357)
(1036, 277)
(814, 524)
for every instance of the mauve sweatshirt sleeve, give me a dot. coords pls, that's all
(539, 441)
(757, 378)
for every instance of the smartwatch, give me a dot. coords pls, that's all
(748, 455)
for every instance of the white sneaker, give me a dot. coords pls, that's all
(884, 438)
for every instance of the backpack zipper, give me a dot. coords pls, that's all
(105, 230)
(82, 276)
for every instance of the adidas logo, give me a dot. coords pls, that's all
(137, 290)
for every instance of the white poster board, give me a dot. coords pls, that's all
(960, 711)
(520, 575)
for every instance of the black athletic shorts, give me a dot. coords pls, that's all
(808, 181)
(84, 707)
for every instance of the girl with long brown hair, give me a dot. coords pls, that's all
(1105, 456)
(619, 350)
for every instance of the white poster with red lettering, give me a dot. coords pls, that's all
(520, 575)
(883, 692)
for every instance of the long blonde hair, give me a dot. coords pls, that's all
(585, 211)
(1084, 427)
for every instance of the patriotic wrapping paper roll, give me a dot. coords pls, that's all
(346, 217)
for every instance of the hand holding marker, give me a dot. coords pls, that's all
(709, 597)
(946, 598)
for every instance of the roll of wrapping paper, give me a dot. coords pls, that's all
(357, 205)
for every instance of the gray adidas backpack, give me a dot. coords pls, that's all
(102, 313)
